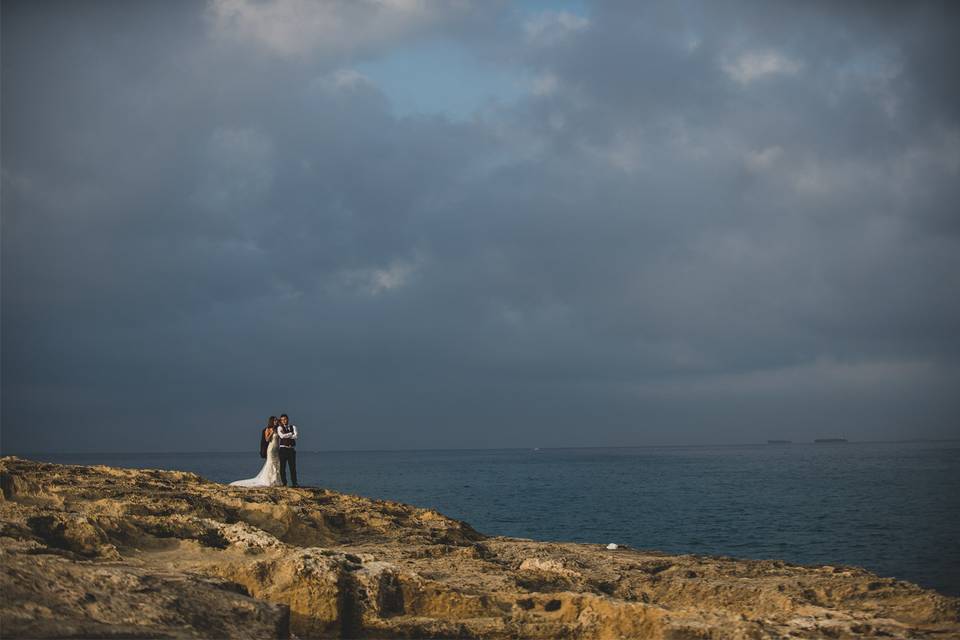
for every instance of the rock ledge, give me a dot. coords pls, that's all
(99, 551)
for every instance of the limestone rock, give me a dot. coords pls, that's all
(97, 551)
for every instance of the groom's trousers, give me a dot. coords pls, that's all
(288, 455)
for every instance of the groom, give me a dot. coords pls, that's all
(288, 453)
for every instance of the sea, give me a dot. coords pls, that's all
(893, 508)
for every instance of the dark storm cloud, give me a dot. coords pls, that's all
(701, 226)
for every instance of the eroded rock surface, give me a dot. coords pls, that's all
(99, 551)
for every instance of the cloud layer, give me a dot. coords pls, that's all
(698, 226)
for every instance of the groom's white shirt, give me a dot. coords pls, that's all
(291, 437)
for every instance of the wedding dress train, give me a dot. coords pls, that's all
(269, 475)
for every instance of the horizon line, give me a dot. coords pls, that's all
(524, 448)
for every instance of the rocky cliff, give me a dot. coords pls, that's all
(99, 551)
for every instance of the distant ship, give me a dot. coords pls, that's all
(779, 441)
(822, 440)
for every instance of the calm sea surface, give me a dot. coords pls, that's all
(893, 508)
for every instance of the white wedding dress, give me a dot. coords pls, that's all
(269, 476)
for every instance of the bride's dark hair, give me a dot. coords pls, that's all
(271, 422)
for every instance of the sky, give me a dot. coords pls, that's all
(469, 224)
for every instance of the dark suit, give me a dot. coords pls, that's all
(288, 453)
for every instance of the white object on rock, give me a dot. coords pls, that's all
(612, 545)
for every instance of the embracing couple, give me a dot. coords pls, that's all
(278, 442)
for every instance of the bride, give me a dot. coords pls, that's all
(269, 475)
